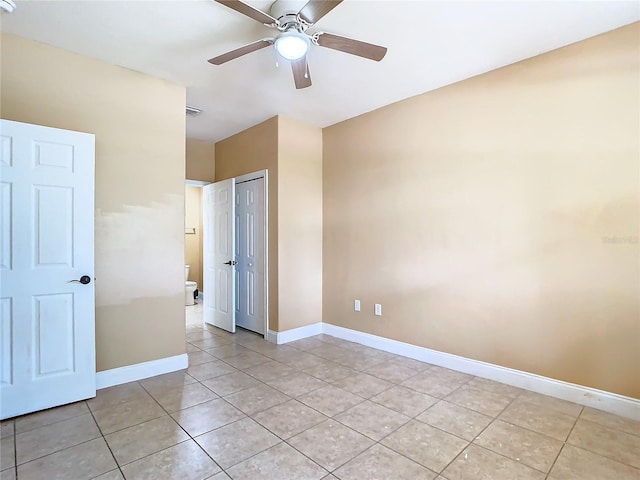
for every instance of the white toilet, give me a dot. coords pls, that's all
(189, 288)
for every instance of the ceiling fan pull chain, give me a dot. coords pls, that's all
(277, 64)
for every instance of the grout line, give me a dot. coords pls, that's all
(59, 451)
(15, 449)
(418, 463)
(565, 443)
(52, 423)
(553, 464)
(445, 431)
(344, 463)
(471, 442)
(528, 430)
(179, 426)
(376, 404)
(15, 444)
(104, 438)
(607, 427)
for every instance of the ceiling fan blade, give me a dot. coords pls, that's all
(249, 11)
(301, 75)
(314, 10)
(348, 45)
(238, 52)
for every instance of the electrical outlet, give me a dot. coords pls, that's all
(356, 305)
(378, 310)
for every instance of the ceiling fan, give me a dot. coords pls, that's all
(292, 42)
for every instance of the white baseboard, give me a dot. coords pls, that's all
(139, 371)
(590, 397)
(295, 333)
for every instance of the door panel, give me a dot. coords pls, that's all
(47, 323)
(250, 255)
(5, 226)
(219, 254)
(53, 226)
(251, 292)
(53, 155)
(223, 292)
(6, 159)
(53, 322)
(6, 329)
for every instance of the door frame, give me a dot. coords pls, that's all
(245, 178)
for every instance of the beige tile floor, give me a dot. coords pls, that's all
(319, 408)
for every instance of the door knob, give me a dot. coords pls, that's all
(84, 280)
(230, 262)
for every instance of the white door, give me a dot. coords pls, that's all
(47, 319)
(218, 222)
(250, 255)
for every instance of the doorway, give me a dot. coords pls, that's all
(235, 232)
(193, 240)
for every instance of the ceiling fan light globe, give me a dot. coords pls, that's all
(7, 5)
(292, 45)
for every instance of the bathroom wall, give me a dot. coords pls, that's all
(193, 242)
(498, 218)
(139, 124)
(200, 160)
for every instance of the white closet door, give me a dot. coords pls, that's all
(250, 254)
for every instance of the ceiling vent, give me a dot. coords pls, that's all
(193, 111)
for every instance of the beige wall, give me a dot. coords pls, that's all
(139, 126)
(292, 153)
(484, 216)
(299, 224)
(249, 151)
(200, 160)
(193, 242)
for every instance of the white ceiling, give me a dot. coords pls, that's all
(431, 44)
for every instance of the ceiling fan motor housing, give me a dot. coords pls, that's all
(286, 12)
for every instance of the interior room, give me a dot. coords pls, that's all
(411, 240)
